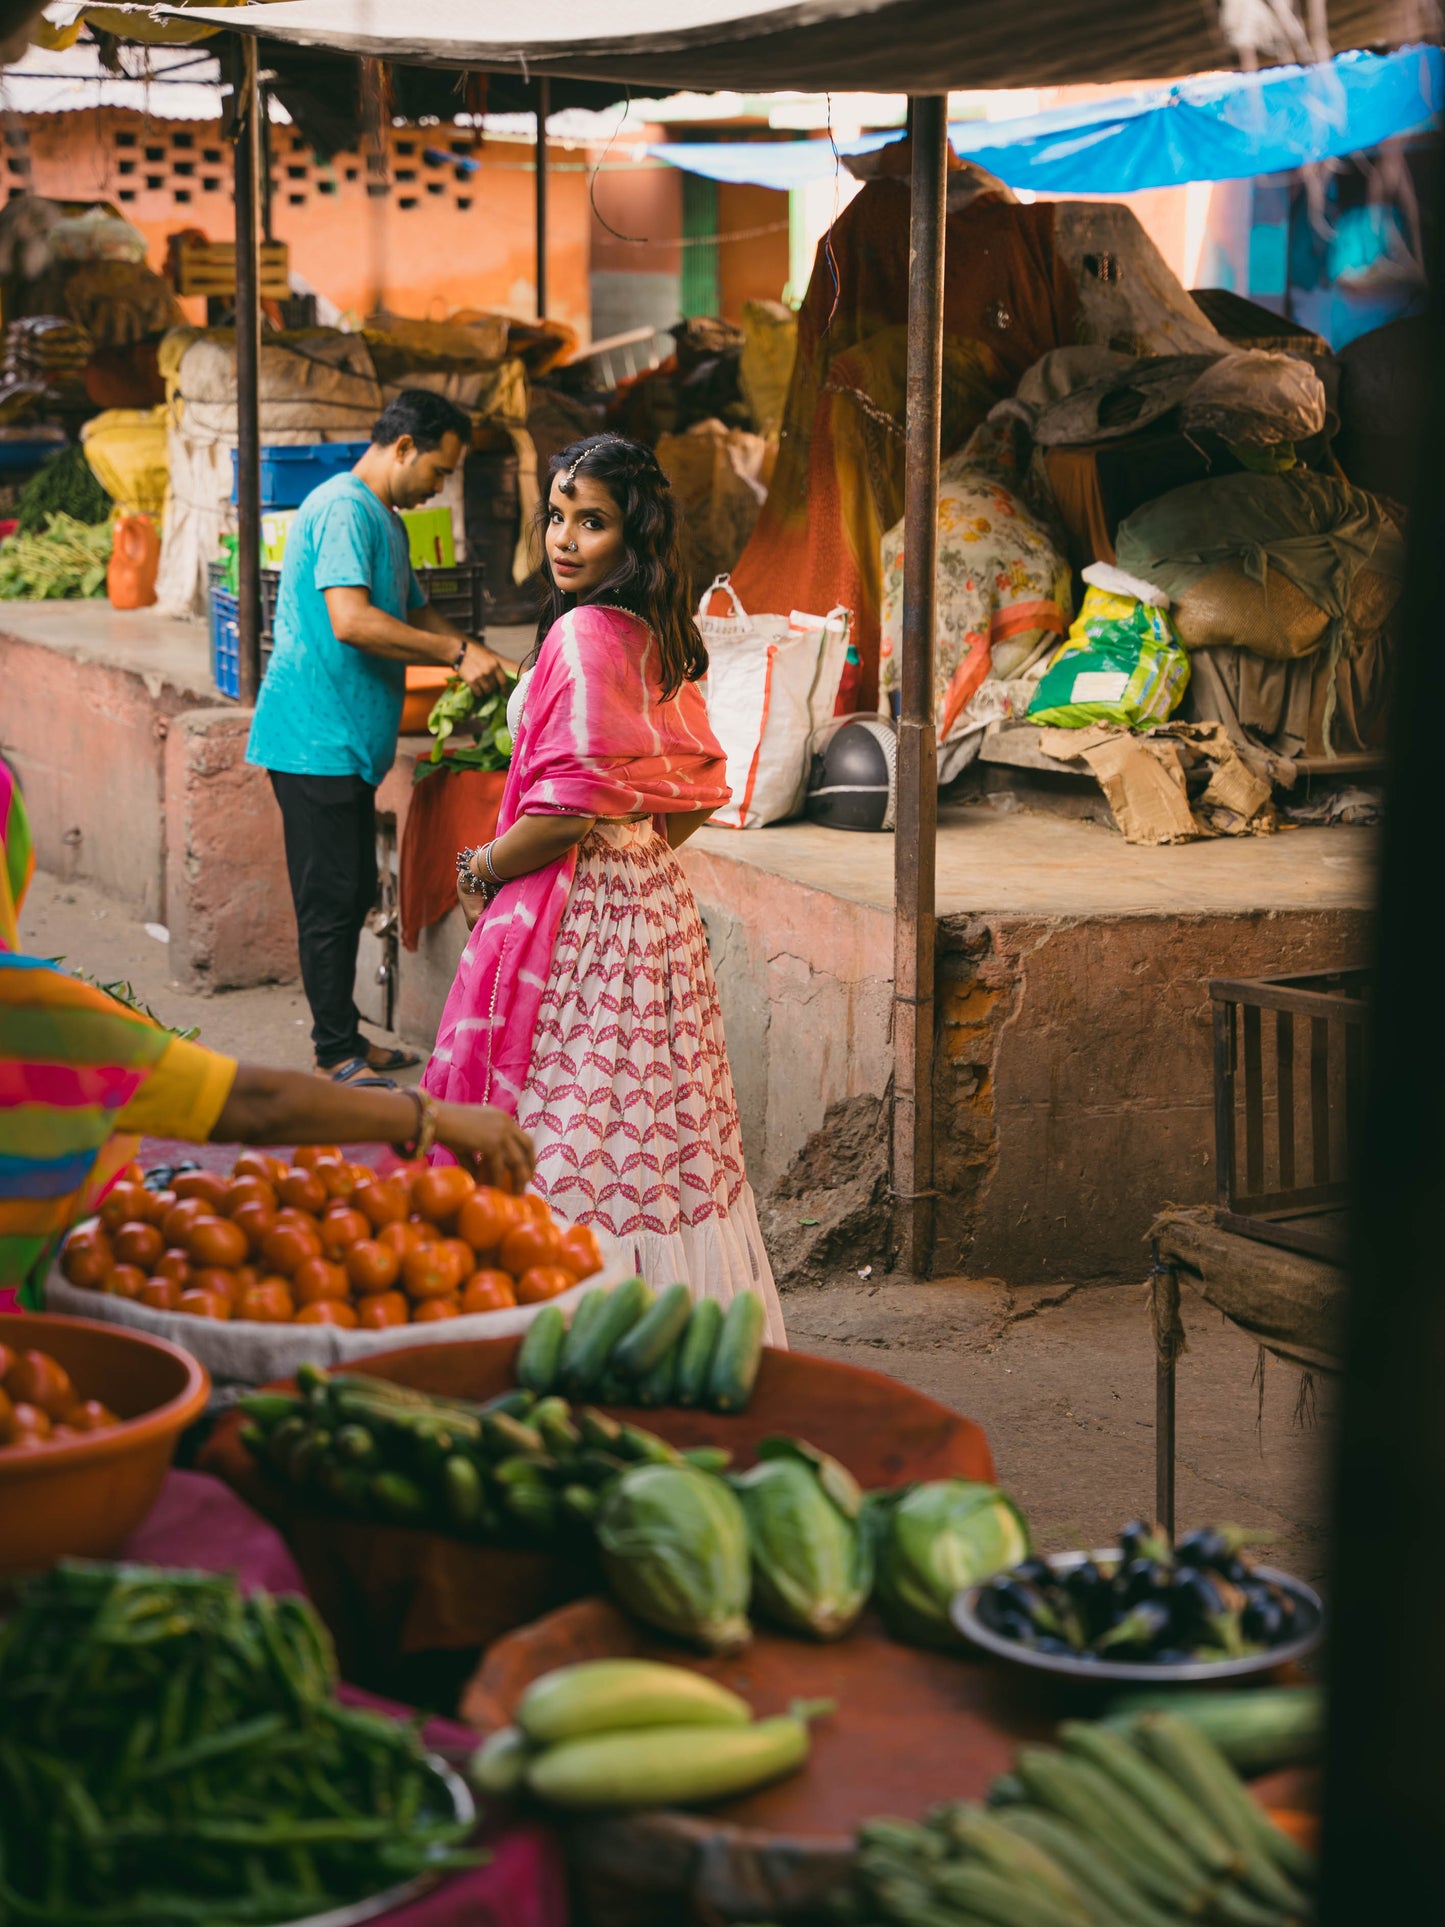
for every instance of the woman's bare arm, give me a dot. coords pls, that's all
(294, 1107)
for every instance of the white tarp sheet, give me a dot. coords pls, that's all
(909, 46)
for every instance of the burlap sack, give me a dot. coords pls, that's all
(1226, 609)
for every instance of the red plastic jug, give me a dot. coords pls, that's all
(130, 579)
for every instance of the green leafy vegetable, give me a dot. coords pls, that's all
(64, 486)
(485, 718)
(68, 558)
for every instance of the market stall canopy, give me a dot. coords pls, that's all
(1219, 127)
(906, 46)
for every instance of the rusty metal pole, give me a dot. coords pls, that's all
(544, 108)
(917, 813)
(246, 136)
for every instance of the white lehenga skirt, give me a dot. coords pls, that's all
(629, 1100)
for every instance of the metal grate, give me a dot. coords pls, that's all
(1289, 1056)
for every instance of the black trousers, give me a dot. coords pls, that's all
(330, 828)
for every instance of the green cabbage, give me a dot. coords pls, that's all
(812, 1565)
(936, 1540)
(675, 1551)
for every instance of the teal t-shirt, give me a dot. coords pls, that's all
(326, 708)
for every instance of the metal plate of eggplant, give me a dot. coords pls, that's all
(1145, 1611)
(459, 1794)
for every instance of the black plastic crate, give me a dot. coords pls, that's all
(457, 593)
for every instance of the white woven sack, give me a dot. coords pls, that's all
(771, 682)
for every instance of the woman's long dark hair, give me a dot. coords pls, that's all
(651, 580)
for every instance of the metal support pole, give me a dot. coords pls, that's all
(917, 812)
(268, 187)
(544, 108)
(1166, 1361)
(245, 134)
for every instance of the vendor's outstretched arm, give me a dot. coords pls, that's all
(294, 1107)
(356, 620)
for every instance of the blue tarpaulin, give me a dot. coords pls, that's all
(1216, 127)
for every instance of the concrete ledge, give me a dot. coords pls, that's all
(227, 896)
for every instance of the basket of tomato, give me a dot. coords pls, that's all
(319, 1259)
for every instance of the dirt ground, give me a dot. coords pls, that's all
(1061, 1378)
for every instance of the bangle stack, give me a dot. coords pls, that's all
(427, 1119)
(467, 877)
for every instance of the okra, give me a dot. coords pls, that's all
(1102, 1879)
(1008, 1901)
(979, 1833)
(1080, 1793)
(1154, 1790)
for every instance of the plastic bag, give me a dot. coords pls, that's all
(97, 235)
(1121, 663)
(127, 453)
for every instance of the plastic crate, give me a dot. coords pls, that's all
(458, 594)
(226, 634)
(289, 472)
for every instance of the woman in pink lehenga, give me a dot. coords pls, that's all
(584, 1003)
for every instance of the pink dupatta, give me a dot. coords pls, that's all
(595, 740)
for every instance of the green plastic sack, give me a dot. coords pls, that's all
(1125, 669)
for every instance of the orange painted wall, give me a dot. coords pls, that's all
(642, 200)
(755, 269)
(464, 242)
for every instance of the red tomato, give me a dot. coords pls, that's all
(87, 1257)
(215, 1280)
(204, 1304)
(255, 1164)
(125, 1203)
(328, 1311)
(440, 1192)
(543, 1282)
(217, 1241)
(89, 1415)
(202, 1184)
(433, 1271)
(250, 1190)
(36, 1379)
(308, 1156)
(268, 1303)
(528, 1245)
(304, 1220)
(383, 1200)
(7, 1359)
(255, 1220)
(381, 1311)
(179, 1219)
(124, 1281)
(341, 1228)
(139, 1244)
(318, 1278)
(406, 1174)
(530, 1205)
(173, 1264)
(160, 1294)
(371, 1266)
(407, 1237)
(246, 1276)
(286, 1247)
(132, 1174)
(303, 1191)
(28, 1424)
(579, 1252)
(157, 1205)
(486, 1218)
(337, 1175)
(431, 1309)
(488, 1291)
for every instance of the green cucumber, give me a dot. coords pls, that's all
(1257, 1729)
(541, 1351)
(734, 1368)
(585, 1359)
(553, 1421)
(590, 1307)
(462, 1492)
(658, 1383)
(699, 1342)
(269, 1408)
(400, 1498)
(653, 1336)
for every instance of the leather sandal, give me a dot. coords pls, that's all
(356, 1072)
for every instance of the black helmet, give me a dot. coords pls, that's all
(854, 779)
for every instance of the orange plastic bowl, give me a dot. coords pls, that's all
(83, 1497)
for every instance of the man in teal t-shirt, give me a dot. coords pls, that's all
(349, 616)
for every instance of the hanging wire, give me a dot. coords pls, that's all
(637, 240)
(828, 255)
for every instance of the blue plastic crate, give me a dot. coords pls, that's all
(226, 635)
(225, 642)
(289, 473)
